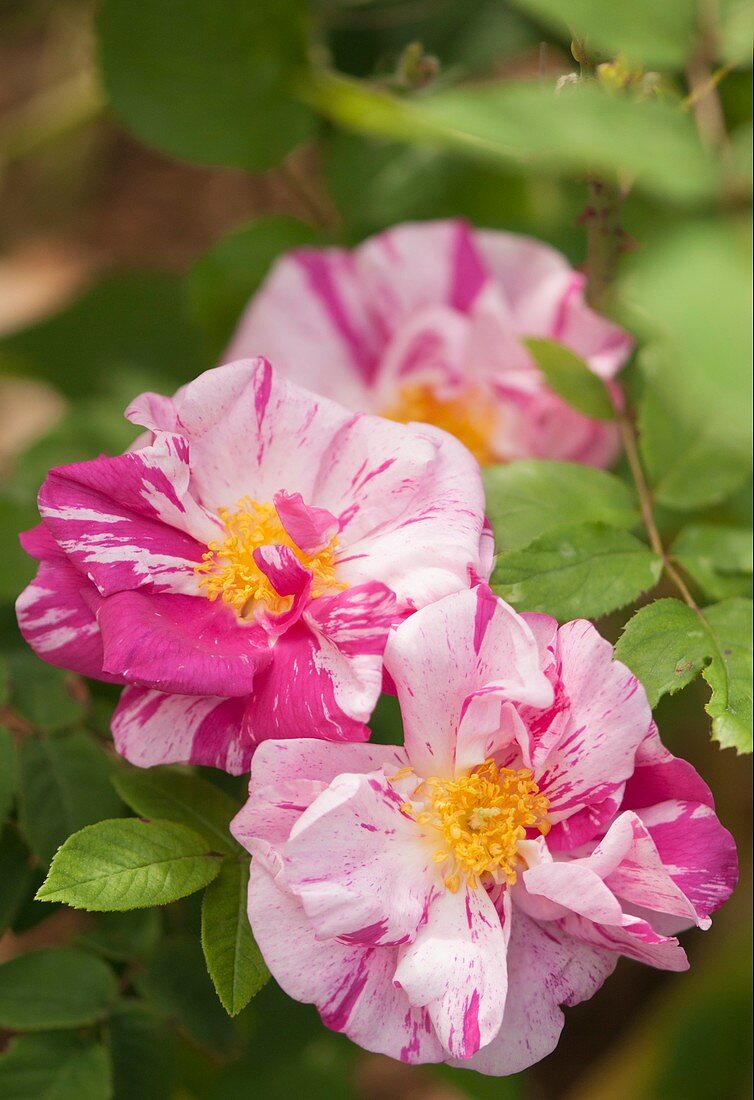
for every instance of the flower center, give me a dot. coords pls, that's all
(469, 416)
(228, 570)
(481, 818)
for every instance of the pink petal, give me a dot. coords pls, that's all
(576, 888)
(635, 938)
(57, 620)
(288, 577)
(546, 968)
(150, 728)
(311, 687)
(698, 852)
(183, 644)
(351, 985)
(456, 966)
(358, 863)
(312, 320)
(608, 718)
(659, 776)
(310, 528)
(128, 521)
(438, 657)
(286, 777)
(358, 620)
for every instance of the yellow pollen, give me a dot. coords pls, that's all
(470, 416)
(481, 818)
(228, 570)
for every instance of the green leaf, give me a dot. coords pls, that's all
(18, 568)
(141, 1053)
(234, 961)
(16, 875)
(128, 864)
(735, 32)
(123, 936)
(581, 129)
(695, 415)
(163, 792)
(222, 281)
(58, 988)
(729, 674)
(571, 379)
(717, 557)
(64, 785)
(8, 772)
(532, 497)
(213, 81)
(123, 323)
(578, 572)
(177, 984)
(666, 645)
(55, 1067)
(659, 35)
(44, 695)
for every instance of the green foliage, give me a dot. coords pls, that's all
(571, 379)
(55, 1067)
(577, 572)
(530, 125)
(123, 936)
(717, 557)
(729, 674)
(16, 874)
(64, 785)
(213, 81)
(125, 323)
(533, 497)
(666, 645)
(7, 772)
(186, 799)
(57, 988)
(660, 36)
(222, 282)
(695, 415)
(233, 959)
(140, 1051)
(47, 697)
(129, 864)
(176, 983)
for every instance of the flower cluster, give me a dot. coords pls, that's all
(265, 560)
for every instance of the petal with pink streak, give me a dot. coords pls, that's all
(286, 777)
(351, 985)
(359, 864)
(59, 623)
(150, 727)
(414, 520)
(429, 349)
(415, 265)
(659, 776)
(546, 969)
(183, 644)
(576, 888)
(333, 346)
(608, 718)
(457, 967)
(310, 528)
(288, 577)
(699, 854)
(311, 688)
(129, 521)
(438, 657)
(635, 938)
(357, 621)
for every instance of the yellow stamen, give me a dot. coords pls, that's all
(228, 570)
(482, 817)
(470, 416)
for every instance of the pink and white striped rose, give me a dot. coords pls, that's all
(425, 322)
(239, 570)
(441, 901)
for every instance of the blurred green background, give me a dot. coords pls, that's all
(129, 242)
